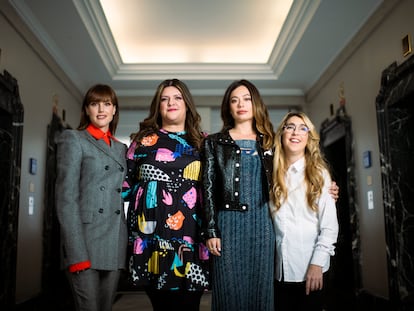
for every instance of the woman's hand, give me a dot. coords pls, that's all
(334, 191)
(314, 278)
(214, 246)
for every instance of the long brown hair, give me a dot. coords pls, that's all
(261, 120)
(314, 168)
(98, 93)
(153, 122)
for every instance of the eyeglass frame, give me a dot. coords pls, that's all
(291, 127)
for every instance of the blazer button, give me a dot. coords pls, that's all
(118, 190)
(102, 188)
(117, 212)
(100, 210)
(121, 168)
(106, 167)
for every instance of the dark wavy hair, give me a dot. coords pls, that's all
(97, 93)
(153, 122)
(261, 120)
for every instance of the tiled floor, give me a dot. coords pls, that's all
(59, 299)
(138, 300)
(125, 301)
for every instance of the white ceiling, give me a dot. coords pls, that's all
(216, 41)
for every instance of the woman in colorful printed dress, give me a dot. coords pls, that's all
(163, 190)
(238, 228)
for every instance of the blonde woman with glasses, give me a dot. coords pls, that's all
(304, 215)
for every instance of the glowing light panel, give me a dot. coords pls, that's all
(189, 31)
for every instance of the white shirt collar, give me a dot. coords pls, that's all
(297, 166)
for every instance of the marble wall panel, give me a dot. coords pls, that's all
(11, 128)
(395, 112)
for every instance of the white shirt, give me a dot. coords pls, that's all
(303, 236)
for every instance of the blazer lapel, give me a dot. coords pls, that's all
(115, 151)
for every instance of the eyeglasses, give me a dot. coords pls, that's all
(301, 128)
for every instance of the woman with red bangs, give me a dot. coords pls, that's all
(91, 168)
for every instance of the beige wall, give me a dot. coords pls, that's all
(38, 83)
(360, 74)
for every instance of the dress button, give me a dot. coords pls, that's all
(227, 206)
(236, 194)
(238, 151)
(237, 164)
(244, 207)
(237, 179)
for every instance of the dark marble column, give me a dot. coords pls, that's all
(11, 128)
(395, 108)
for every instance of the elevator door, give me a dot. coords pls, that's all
(336, 143)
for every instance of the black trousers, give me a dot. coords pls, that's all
(291, 296)
(179, 300)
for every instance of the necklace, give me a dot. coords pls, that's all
(174, 133)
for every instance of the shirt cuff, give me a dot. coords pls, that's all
(320, 258)
(80, 266)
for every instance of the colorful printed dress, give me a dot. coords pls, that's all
(163, 190)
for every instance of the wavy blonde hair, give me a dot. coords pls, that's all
(314, 167)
